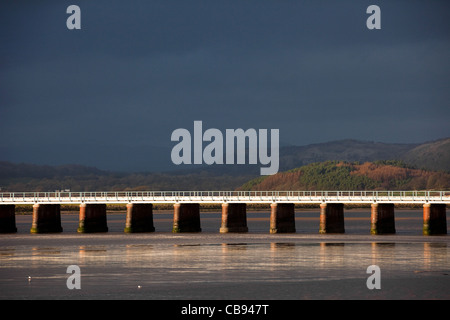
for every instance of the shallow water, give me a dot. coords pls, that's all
(210, 265)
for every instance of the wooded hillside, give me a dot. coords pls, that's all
(340, 175)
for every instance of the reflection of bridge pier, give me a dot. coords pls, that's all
(433, 252)
(380, 249)
(331, 253)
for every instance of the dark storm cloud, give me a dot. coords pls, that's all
(137, 70)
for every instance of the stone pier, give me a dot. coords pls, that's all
(234, 217)
(186, 217)
(282, 218)
(46, 218)
(92, 218)
(382, 220)
(331, 218)
(139, 218)
(434, 219)
(8, 218)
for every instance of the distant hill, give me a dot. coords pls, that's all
(345, 150)
(29, 177)
(430, 156)
(10, 170)
(341, 175)
(433, 155)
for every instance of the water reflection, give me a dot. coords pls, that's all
(435, 254)
(97, 255)
(7, 252)
(163, 266)
(281, 245)
(247, 255)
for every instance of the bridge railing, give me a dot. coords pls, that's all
(225, 196)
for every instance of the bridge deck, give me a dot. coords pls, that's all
(116, 197)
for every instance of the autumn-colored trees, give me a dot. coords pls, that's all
(339, 175)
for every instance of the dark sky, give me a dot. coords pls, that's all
(110, 95)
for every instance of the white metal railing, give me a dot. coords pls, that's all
(226, 196)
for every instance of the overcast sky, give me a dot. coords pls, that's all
(111, 94)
